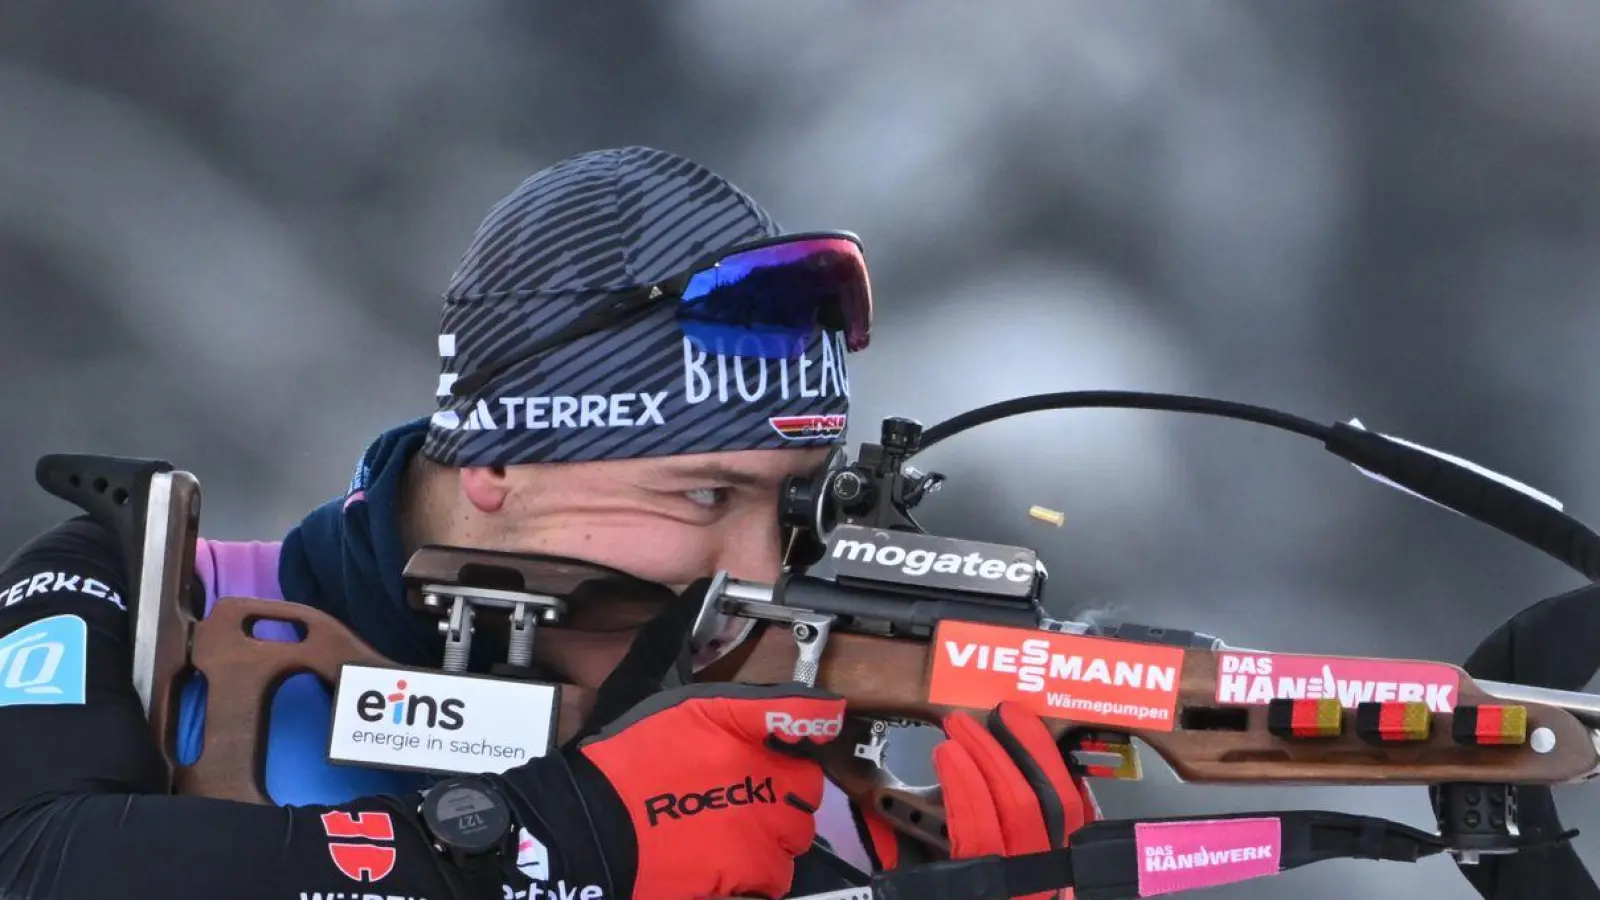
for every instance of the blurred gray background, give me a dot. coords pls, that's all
(224, 229)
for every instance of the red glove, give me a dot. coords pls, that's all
(1006, 790)
(717, 806)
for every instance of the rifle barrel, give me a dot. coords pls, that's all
(1585, 707)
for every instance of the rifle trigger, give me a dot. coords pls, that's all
(1105, 755)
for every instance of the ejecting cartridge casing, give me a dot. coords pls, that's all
(1048, 516)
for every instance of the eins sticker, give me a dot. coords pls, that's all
(1058, 676)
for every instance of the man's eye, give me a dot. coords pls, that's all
(710, 498)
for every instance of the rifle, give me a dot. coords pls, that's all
(909, 625)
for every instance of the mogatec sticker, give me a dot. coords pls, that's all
(1058, 676)
(926, 561)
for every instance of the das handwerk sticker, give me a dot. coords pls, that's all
(1255, 679)
(1058, 676)
(1185, 856)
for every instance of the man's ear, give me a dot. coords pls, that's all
(485, 487)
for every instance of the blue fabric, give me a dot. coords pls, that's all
(298, 771)
(346, 557)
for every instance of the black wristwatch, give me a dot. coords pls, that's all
(470, 821)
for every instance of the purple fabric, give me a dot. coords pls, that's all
(248, 569)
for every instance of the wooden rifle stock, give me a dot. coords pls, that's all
(882, 678)
(243, 672)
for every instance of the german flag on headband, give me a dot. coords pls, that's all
(809, 428)
(1490, 725)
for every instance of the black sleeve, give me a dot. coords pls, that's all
(83, 815)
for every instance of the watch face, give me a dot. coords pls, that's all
(467, 816)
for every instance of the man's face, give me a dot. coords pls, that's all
(670, 520)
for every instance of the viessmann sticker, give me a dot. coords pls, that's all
(1254, 679)
(1059, 676)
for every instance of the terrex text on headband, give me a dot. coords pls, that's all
(767, 298)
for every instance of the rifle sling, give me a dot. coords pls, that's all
(1104, 859)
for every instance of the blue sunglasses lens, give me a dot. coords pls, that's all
(770, 302)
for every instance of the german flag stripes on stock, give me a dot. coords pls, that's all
(1394, 722)
(1305, 718)
(1490, 725)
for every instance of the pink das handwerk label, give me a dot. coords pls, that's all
(1254, 679)
(1183, 856)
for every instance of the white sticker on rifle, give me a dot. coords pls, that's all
(434, 722)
